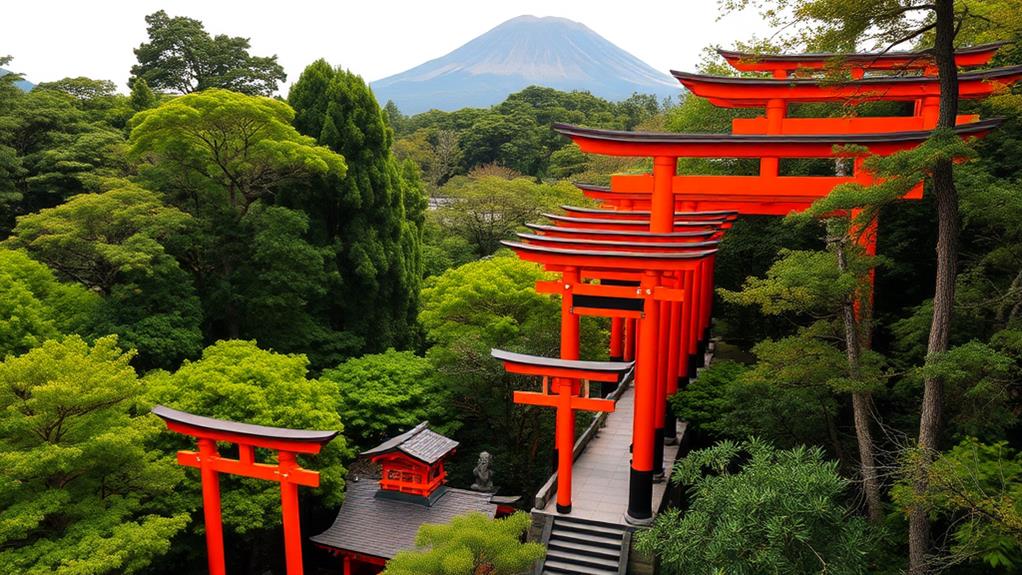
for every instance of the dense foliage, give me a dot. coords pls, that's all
(371, 219)
(384, 394)
(81, 488)
(755, 509)
(326, 263)
(181, 56)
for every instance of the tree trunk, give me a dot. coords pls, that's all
(946, 197)
(870, 480)
(860, 399)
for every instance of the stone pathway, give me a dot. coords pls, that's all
(600, 474)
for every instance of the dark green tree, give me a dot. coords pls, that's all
(755, 509)
(120, 244)
(142, 97)
(978, 487)
(827, 286)
(54, 145)
(842, 25)
(220, 155)
(182, 57)
(98, 99)
(372, 217)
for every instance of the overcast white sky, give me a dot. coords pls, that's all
(52, 39)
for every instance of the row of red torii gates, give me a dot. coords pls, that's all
(645, 259)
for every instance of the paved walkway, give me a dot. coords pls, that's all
(600, 474)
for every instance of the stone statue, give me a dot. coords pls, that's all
(484, 475)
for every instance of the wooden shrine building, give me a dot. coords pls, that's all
(380, 518)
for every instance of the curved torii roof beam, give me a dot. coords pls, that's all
(731, 92)
(665, 144)
(892, 60)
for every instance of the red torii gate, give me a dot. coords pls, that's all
(288, 443)
(758, 194)
(622, 330)
(649, 264)
(565, 378)
(683, 322)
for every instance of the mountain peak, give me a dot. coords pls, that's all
(530, 19)
(523, 51)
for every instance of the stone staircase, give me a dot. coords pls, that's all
(579, 546)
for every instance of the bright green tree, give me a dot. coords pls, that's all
(34, 306)
(755, 509)
(372, 217)
(181, 56)
(469, 545)
(218, 145)
(80, 491)
(237, 381)
(386, 393)
(95, 239)
(492, 303)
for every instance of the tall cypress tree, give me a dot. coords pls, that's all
(372, 216)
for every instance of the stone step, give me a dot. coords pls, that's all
(586, 538)
(558, 567)
(581, 559)
(585, 526)
(567, 546)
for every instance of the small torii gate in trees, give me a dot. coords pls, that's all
(288, 443)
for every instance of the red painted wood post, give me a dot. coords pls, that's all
(661, 211)
(690, 337)
(673, 356)
(684, 328)
(629, 347)
(775, 111)
(640, 489)
(347, 565)
(565, 443)
(660, 413)
(616, 338)
(565, 422)
(704, 310)
(289, 510)
(211, 507)
(930, 110)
